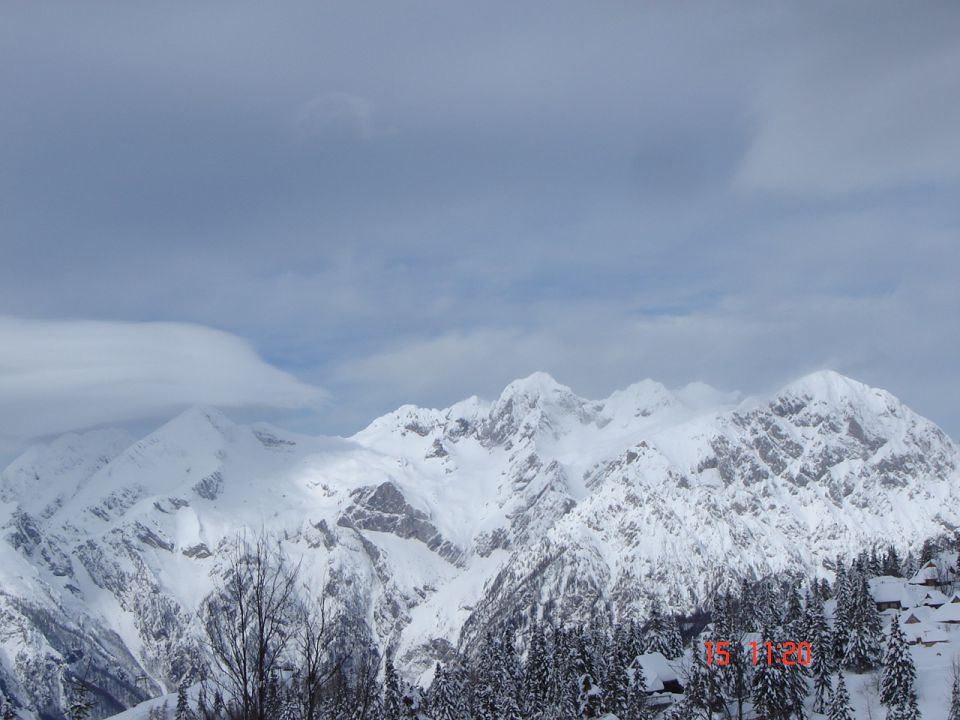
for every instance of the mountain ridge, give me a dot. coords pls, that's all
(428, 525)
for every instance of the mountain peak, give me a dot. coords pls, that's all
(538, 383)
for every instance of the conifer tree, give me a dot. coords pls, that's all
(655, 632)
(563, 683)
(702, 690)
(183, 711)
(770, 691)
(6, 708)
(446, 702)
(954, 713)
(899, 674)
(413, 704)
(796, 690)
(392, 697)
(202, 710)
(815, 627)
(840, 702)
(891, 562)
(590, 698)
(822, 667)
(928, 551)
(862, 648)
(674, 638)
(537, 672)
(636, 705)
(618, 682)
(736, 677)
(793, 613)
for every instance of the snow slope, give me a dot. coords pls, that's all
(430, 524)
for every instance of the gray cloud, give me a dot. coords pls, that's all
(57, 376)
(414, 203)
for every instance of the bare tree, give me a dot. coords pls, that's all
(314, 663)
(250, 622)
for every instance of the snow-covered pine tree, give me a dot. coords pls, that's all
(874, 564)
(636, 707)
(413, 704)
(392, 697)
(796, 681)
(183, 711)
(891, 562)
(563, 681)
(536, 672)
(793, 613)
(862, 649)
(748, 609)
(899, 674)
(840, 708)
(598, 640)
(584, 658)
(768, 604)
(446, 702)
(725, 624)
(589, 699)
(6, 708)
(910, 565)
(815, 627)
(770, 690)
(822, 667)
(655, 635)
(674, 638)
(618, 682)
(702, 690)
(680, 710)
(928, 551)
(218, 704)
(202, 709)
(954, 713)
(736, 677)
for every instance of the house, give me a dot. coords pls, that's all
(926, 576)
(932, 598)
(925, 634)
(659, 673)
(889, 593)
(914, 616)
(947, 614)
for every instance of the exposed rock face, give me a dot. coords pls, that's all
(430, 525)
(384, 509)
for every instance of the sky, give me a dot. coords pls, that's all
(316, 212)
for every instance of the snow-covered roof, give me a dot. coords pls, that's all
(914, 616)
(948, 613)
(886, 588)
(924, 632)
(924, 574)
(932, 596)
(657, 670)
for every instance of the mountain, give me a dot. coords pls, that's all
(428, 525)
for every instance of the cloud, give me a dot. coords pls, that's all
(862, 110)
(337, 118)
(63, 375)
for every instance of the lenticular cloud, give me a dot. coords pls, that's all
(65, 375)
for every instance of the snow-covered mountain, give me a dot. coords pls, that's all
(429, 524)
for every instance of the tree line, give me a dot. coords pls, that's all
(276, 654)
